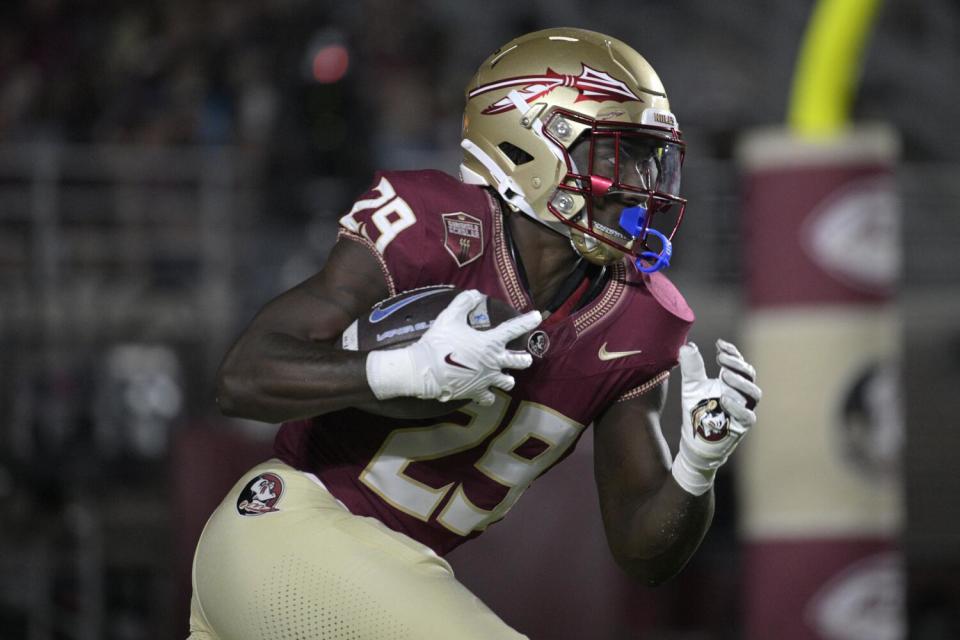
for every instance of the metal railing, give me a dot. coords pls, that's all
(100, 246)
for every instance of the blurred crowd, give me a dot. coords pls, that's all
(214, 72)
(238, 71)
(151, 73)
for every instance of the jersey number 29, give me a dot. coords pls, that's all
(392, 215)
(385, 475)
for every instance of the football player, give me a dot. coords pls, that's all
(566, 207)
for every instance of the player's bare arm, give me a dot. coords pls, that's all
(652, 525)
(656, 513)
(284, 365)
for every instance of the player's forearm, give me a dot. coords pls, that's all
(275, 377)
(654, 538)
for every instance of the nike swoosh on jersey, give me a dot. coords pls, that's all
(603, 354)
(379, 313)
(449, 360)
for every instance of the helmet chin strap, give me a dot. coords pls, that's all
(506, 186)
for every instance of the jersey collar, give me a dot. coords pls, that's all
(603, 294)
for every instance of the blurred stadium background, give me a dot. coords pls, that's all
(165, 168)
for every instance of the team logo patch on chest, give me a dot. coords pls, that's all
(462, 237)
(538, 343)
(260, 495)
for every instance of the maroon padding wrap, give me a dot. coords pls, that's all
(784, 578)
(777, 204)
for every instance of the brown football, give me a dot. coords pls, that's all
(401, 320)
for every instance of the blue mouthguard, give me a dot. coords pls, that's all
(632, 220)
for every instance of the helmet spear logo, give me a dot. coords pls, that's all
(591, 85)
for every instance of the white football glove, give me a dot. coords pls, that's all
(452, 360)
(717, 412)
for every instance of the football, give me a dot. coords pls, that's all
(401, 320)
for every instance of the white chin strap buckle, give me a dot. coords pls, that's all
(506, 186)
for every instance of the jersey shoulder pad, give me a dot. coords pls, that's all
(404, 217)
(665, 293)
(656, 305)
(664, 318)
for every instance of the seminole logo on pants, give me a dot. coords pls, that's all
(260, 495)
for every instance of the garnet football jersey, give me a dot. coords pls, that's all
(444, 480)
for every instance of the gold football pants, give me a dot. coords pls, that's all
(304, 567)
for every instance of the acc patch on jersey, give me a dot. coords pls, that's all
(462, 237)
(260, 495)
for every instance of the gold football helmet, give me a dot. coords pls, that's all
(561, 122)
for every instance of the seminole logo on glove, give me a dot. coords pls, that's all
(709, 420)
